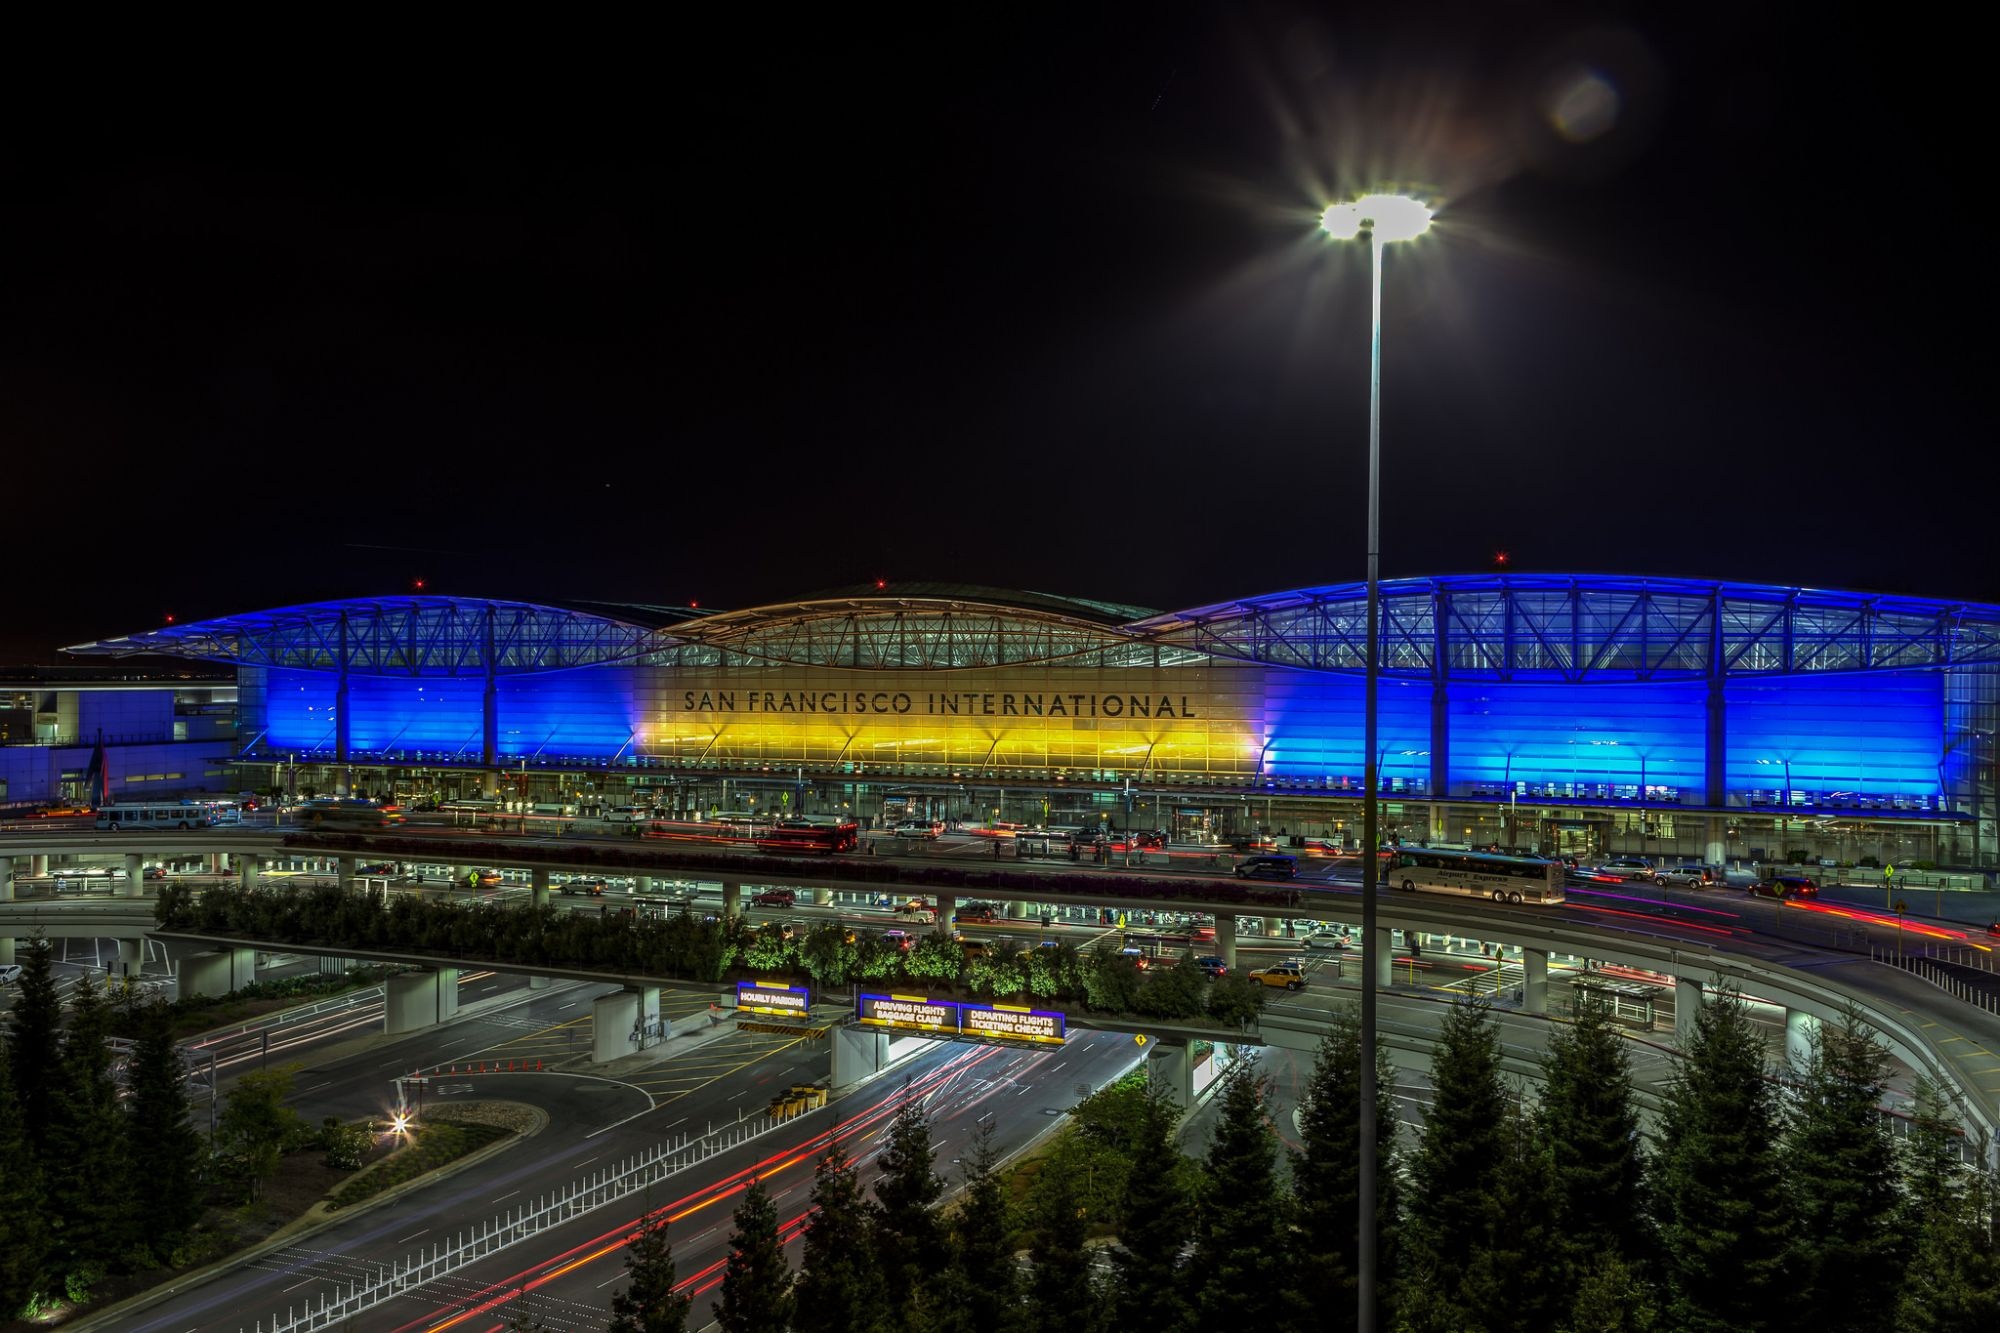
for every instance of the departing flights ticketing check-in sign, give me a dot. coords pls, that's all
(960, 1018)
(772, 997)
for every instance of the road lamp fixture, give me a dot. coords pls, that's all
(1380, 219)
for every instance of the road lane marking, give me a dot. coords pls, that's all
(508, 1195)
(413, 1235)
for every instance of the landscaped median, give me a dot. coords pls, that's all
(434, 1142)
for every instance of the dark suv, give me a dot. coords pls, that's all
(1269, 865)
(774, 898)
(978, 912)
(1784, 886)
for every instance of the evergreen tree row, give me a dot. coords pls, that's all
(90, 1182)
(1766, 1203)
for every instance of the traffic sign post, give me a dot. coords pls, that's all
(1888, 886)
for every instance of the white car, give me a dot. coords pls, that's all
(1326, 939)
(9, 973)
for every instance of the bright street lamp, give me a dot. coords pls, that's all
(1381, 218)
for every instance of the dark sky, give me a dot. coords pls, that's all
(1017, 298)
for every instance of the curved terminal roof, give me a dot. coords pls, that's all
(1495, 626)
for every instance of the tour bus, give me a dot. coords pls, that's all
(801, 836)
(154, 815)
(1504, 879)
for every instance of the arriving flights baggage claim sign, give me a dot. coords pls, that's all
(772, 997)
(960, 1018)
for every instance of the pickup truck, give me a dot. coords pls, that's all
(1289, 976)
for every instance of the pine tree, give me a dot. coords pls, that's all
(1611, 1298)
(909, 1237)
(1840, 1176)
(34, 1045)
(756, 1282)
(982, 1286)
(840, 1287)
(1512, 1283)
(1589, 1122)
(1241, 1266)
(1155, 1224)
(90, 1197)
(1326, 1177)
(1454, 1196)
(649, 1303)
(1717, 1186)
(1952, 1279)
(1062, 1295)
(160, 1137)
(24, 1239)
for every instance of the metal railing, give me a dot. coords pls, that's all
(598, 1190)
(1927, 970)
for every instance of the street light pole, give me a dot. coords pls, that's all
(1381, 219)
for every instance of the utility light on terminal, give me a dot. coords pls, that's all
(1386, 217)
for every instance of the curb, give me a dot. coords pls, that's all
(307, 1224)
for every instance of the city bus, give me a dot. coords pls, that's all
(362, 815)
(799, 836)
(154, 815)
(1504, 879)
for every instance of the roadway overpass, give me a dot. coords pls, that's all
(1922, 1026)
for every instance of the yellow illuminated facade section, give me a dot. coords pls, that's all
(1027, 720)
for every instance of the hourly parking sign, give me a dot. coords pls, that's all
(772, 997)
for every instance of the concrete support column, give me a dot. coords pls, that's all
(38, 864)
(822, 897)
(131, 957)
(1225, 939)
(613, 1017)
(6, 879)
(458, 876)
(1535, 980)
(1687, 1003)
(642, 885)
(344, 872)
(1385, 956)
(217, 972)
(947, 908)
(1715, 843)
(1018, 910)
(418, 1000)
(246, 872)
(215, 863)
(1169, 1069)
(732, 899)
(135, 875)
(857, 1053)
(538, 885)
(1801, 1034)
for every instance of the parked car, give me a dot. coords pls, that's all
(774, 898)
(9, 973)
(1782, 887)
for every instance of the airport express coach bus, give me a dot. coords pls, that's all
(1504, 879)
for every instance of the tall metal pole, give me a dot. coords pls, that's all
(1364, 1285)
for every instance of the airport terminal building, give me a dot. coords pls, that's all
(1551, 712)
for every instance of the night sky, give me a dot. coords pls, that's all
(1027, 299)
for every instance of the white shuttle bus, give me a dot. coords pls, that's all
(1504, 879)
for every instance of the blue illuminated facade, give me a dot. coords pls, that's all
(1718, 707)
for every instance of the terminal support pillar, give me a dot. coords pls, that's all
(732, 900)
(1715, 845)
(1018, 910)
(217, 972)
(344, 871)
(858, 1052)
(1535, 980)
(642, 885)
(822, 897)
(538, 885)
(246, 872)
(1169, 1069)
(135, 875)
(613, 1018)
(38, 865)
(947, 908)
(6, 896)
(1687, 1003)
(1385, 956)
(214, 863)
(459, 874)
(418, 1000)
(131, 957)
(1225, 939)
(1801, 1035)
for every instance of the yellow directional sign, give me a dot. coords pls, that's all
(1139, 1038)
